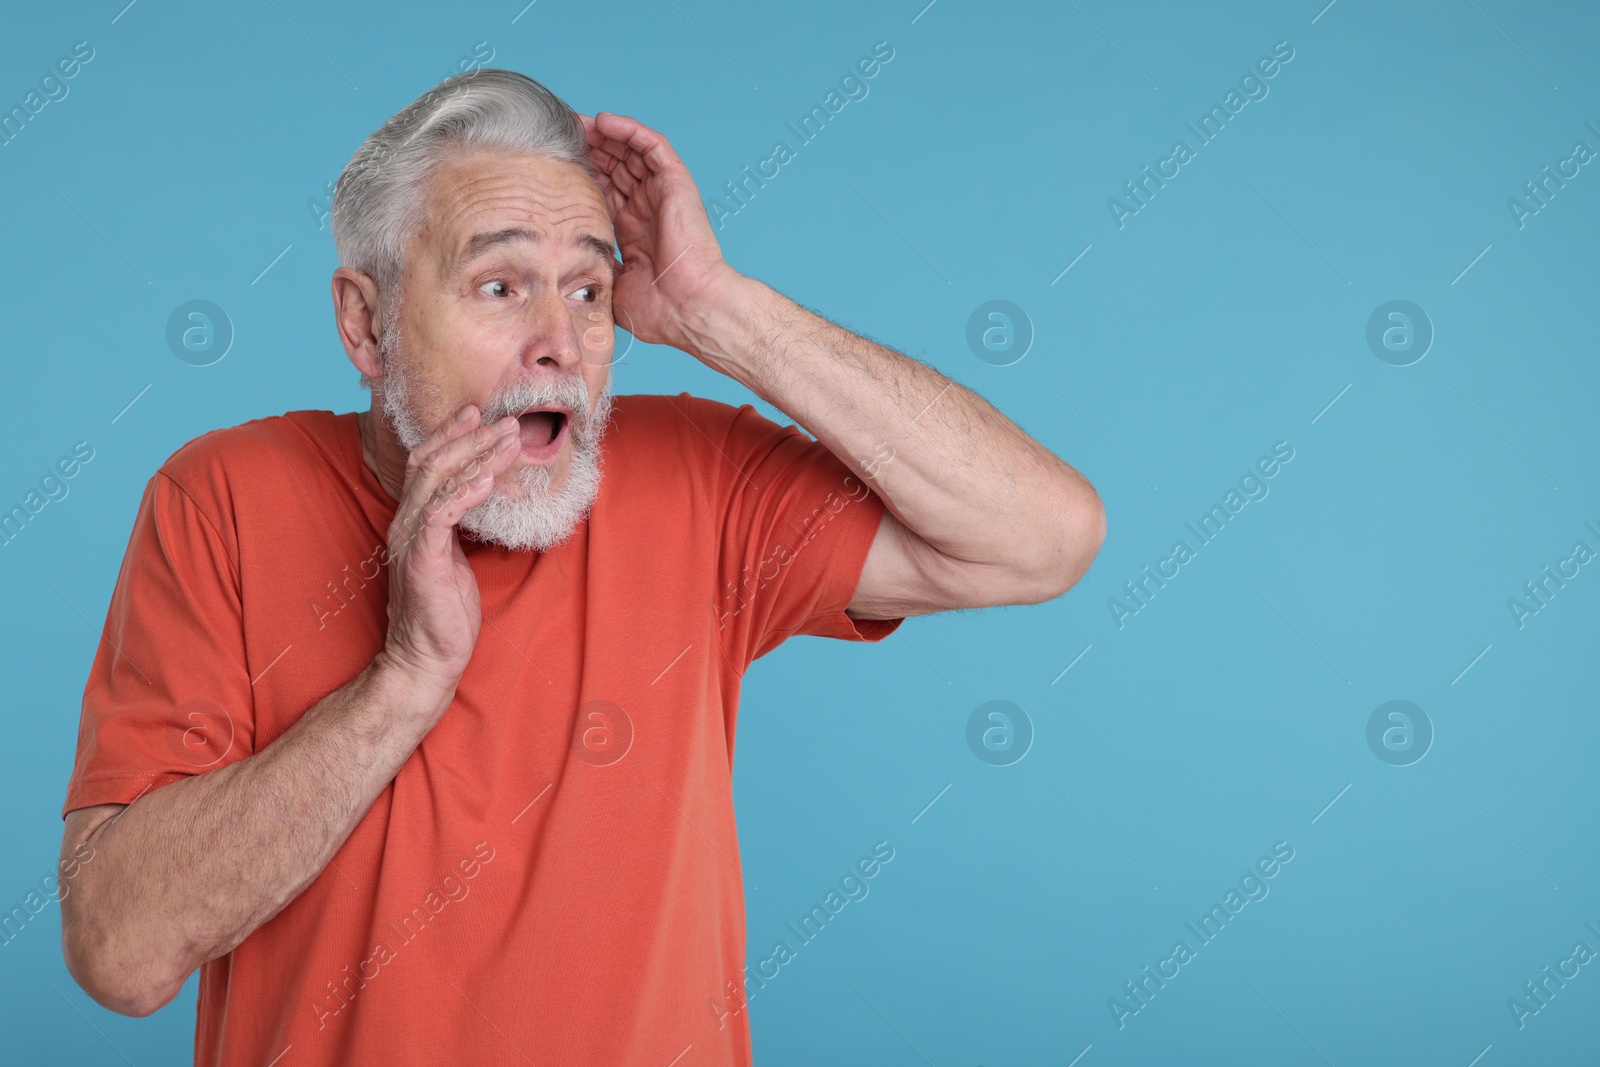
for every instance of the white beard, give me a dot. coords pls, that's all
(531, 516)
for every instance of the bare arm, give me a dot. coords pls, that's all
(980, 514)
(186, 872)
(190, 870)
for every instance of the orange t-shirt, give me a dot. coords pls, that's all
(553, 876)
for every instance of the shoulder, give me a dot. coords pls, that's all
(716, 445)
(268, 442)
(697, 424)
(674, 414)
(214, 468)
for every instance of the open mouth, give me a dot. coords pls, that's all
(542, 426)
(542, 432)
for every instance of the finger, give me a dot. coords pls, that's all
(451, 457)
(461, 460)
(616, 200)
(616, 205)
(464, 421)
(470, 486)
(619, 174)
(650, 144)
(601, 178)
(435, 532)
(617, 184)
(496, 459)
(457, 496)
(636, 165)
(450, 501)
(621, 157)
(616, 155)
(597, 139)
(628, 157)
(607, 161)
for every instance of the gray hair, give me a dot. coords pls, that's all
(378, 200)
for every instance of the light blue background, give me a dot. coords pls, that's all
(1221, 719)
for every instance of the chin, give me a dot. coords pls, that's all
(537, 505)
(527, 476)
(538, 510)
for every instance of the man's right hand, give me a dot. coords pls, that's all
(240, 841)
(434, 608)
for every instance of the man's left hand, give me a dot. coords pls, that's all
(671, 262)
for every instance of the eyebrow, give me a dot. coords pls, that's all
(480, 243)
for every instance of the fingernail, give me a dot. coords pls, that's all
(464, 414)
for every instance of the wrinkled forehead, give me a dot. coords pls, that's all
(482, 202)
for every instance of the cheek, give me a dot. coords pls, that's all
(456, 369)
(597, 334)
(479, 345)
(429, 331)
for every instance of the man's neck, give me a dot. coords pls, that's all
(388, 469)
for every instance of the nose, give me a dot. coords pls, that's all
(553, 342)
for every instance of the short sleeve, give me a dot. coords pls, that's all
(795, 528)
(168, 694)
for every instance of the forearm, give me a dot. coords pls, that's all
(188, 871)
(951, 467)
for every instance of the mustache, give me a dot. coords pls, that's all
(569, 392)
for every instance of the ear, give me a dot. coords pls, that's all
(356, 316)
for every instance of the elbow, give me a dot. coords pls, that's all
(110, 948)
(115, 980)
(1070, 547)
(132, 1003)
(1094, 533)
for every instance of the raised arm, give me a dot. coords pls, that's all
(980, 514)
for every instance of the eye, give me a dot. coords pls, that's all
(594, 290)
(486, 285)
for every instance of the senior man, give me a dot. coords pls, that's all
(418, 743)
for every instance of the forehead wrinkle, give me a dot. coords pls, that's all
(452, 253)
(495, 193)
(481, 242)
